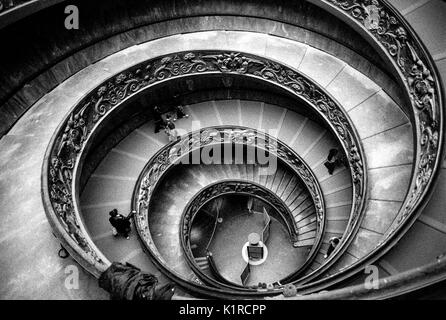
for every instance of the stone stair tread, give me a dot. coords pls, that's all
(310, 139)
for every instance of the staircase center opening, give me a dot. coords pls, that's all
(241, 218)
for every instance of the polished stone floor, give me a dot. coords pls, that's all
(233, 233)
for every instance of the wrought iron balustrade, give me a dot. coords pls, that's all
(72, 140)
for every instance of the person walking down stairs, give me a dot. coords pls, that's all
(160, 123)
(334, 160)
(333, 242)
(171, 130)
(179, 110)
(120, 224)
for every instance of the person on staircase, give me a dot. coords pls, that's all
(179, 110)
(160, 123)
(250, 204)
(333, 243)
(125, 281)
(334, 160)
(171, 130)
(121, 224)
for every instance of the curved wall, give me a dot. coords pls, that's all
(40, 62)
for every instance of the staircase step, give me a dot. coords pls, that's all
(283, 184)
(202, 262)
(263, 178)
(306, 236)
(272, 119)
(306, 221)
(205, 113)
(305, 243)
(250, 113)
(308, 228)
(306, 214)
(304, 206)
(289, 188)
(250, 172)
(297, 194)
(298, 201)
(280, 175)
(255, 174)
(320, 151)
(243, 171)
(228, 111)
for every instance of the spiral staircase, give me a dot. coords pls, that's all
(289, 81)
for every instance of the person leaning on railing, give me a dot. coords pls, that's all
(335, 159)
(333, 243)
(120, 224)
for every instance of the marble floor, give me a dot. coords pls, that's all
(232, 233)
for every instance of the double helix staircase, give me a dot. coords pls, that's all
(111, 185)
(104, 190)
(391, 110)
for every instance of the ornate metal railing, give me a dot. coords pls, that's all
(394, 286)
(220, 188)
(175, 152)
(399, 44)
(389, 29)
(7, 4)
(245, 274)
(214, 270)
(73, 139)
(267, 228)
(214, 229)
(376, 19)
(225, 187)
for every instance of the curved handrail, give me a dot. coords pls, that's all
(174, 152)
(12, 10)
(72, 139)
(6, 5)
(388, 30)
(216, 273)
(214, 229)
(389, 287)
(230, 186)
(395, 37)
(266, 228)
(224, 187)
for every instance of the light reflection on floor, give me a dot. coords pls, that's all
(233, 233)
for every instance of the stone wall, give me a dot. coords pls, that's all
(45, 53)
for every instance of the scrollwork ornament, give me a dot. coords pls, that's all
(160, 164)
(417, 72)
(115, 90)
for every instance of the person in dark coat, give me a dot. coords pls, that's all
(180, 112)
(121, 223)
(127, 282)
(179, 108)
(160, 123)
(333, 243)
(334, 160)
